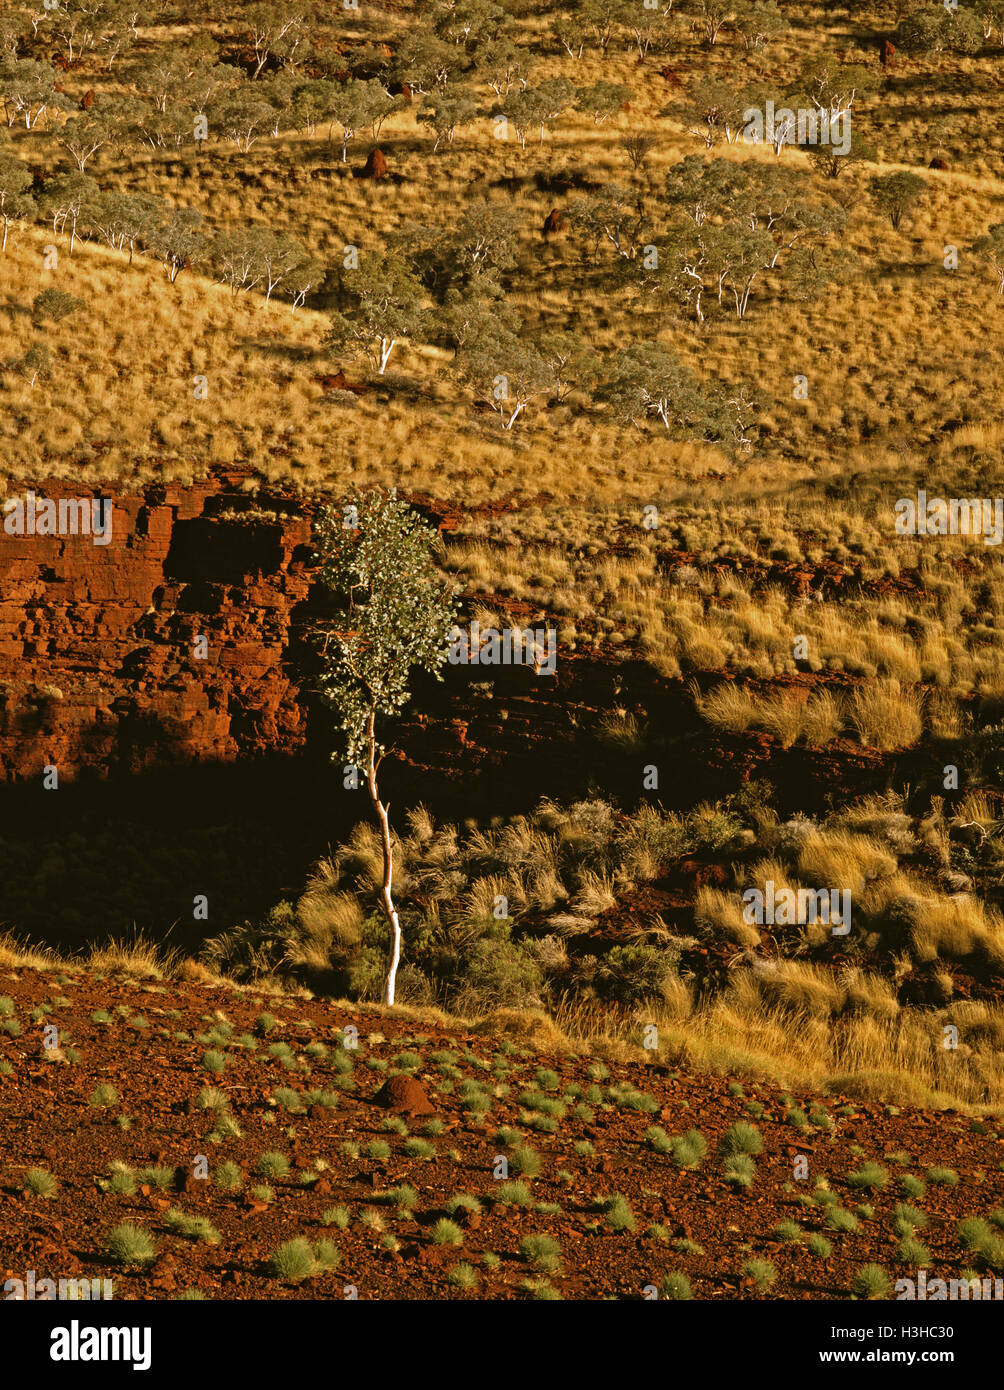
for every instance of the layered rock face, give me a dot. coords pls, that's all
(183, 641)
(170, 643)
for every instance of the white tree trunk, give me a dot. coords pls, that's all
(387, 903)
(386, 899)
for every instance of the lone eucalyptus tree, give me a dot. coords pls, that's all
(396, 612)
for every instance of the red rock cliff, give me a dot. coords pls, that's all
(99, 664)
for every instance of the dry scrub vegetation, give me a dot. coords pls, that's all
(601, 921)
(580, 927)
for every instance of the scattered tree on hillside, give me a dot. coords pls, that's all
(504, 371)
(446, 112)
(602, 100)
(160, 76)
(734, 224)
(991, 249)
(601, 18)
(535, 108)
(277, 93)
(833, 86)
(468, 22)
(312, 103)
(612, 214)
(13, 31)
(118, 30)
(127, 117)
(360, 105)
(503, 65)
(82, 136)
(66, 200)
(569, 33)
(162, 129)
(75, 23)
(187, 77)
(28, 91)
(637, 145)
(714, 15)
(254, 257)
(179, 240)
(825, 159)
(648, 25)
(241, 117)
(469, 255)
(935, 29)
(426, 62)
(35, 365)
(741, 255)
(896, 194)
(16, 202)
(990, 14)
(467, 317)
(305, 275)
(280, 257)
(274, 30)
(717, 107)
(204, 81)
(124, 219)
(758, 21)
(388, 308)
(695, 187)
(235, 260)
(570, 362)
(648, 381)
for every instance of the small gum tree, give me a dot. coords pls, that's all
(895, 194)
(376, 556)
(388, 308)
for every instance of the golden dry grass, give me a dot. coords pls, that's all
(888, 360)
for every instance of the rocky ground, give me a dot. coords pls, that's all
(293, 1088)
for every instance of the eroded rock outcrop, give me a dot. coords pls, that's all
(100, 658)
